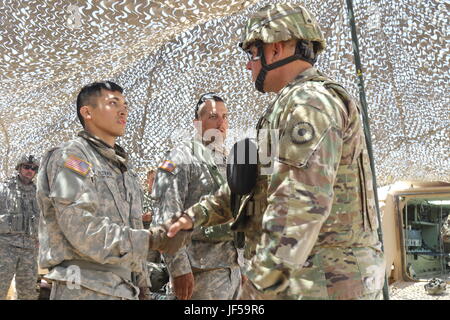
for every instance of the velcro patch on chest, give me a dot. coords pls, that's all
(103, 173)
(79, 166)
(167, 165)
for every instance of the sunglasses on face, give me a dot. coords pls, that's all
(30, 167)
(204, 98)
(250, 56)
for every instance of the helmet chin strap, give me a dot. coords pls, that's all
(298, 55)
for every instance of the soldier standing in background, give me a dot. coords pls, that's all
(309, 221)
(91, 233)
(208, 267)
(19, 216)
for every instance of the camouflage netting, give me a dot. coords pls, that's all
(166, 53)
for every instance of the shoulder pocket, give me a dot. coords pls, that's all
(110, 202)
(67, 185)
(305, 130)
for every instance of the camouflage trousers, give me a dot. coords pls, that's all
(373, 296)
(250, 292)
(217, 284)
(22, 263)
(60, 291)
(354, 273)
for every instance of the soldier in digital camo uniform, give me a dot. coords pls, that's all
(157, 270)
(207, 269)
(310, 223)
(19, 216)
(91, 234)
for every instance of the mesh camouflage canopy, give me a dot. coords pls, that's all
(165, 54)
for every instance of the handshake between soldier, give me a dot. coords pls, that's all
(165, 238)
(179, 226)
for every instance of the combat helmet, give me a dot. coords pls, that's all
(282, 22)
(435, 286)
(27, 159)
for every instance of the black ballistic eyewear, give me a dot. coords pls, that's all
(30, 167)
(204, 98)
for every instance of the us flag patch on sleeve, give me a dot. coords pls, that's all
(167, 165)
(76, 164)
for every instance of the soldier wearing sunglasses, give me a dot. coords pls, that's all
(207, 268)
(19, 215)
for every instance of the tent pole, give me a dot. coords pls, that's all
(362, 97)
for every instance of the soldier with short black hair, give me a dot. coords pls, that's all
(309, 218)
(19, 216)
(91, 233)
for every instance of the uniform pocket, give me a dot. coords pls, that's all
(110, 202)
(5, 223)
(310, 282)
(371, 267)
(17, 223)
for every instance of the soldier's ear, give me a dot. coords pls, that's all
(278, 50)
(272, 52)
(85, 112)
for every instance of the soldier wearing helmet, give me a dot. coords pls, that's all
(19, 216)
(309, 219)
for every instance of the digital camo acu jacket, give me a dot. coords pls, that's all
(91, 208)
(19, 213)
(182, 179)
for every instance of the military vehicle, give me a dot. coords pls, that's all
(415, 230)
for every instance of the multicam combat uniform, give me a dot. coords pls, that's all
(89, 230)
(19, 216)
(310, 225)
(188, 173)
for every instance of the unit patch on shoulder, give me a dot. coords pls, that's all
(167, 165)
(302, 132)
(79, 166)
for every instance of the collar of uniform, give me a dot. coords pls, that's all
(209, 155)
(116, 155)
(199, 149)
(199, 139)
(303, 77)
(212, 146)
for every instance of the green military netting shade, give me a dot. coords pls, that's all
(166, 53)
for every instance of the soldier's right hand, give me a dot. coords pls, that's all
(184, 286)
(161, 242)
(181, 221)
